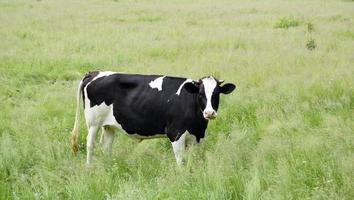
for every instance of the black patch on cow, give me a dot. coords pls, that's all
(143, 110)
(215, 98)
(227, 88)
(87, 78)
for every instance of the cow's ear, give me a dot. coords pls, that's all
(192, 87)
(227, 88)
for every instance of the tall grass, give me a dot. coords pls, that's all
(286, 133)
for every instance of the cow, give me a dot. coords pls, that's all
(146, 106)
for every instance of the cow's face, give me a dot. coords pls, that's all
(209, 90)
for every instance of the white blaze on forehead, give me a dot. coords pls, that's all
(209, 86)
(157, 83)
(181, 86)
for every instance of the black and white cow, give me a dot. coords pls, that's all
(147, 106)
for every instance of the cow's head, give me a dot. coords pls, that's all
(209, 90)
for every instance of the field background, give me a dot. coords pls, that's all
(285, 133)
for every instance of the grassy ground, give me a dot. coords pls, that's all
(286, 133)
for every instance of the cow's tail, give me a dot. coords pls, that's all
(75, 131)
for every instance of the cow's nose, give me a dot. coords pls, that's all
(210, 114)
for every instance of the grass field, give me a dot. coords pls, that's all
(286, 133)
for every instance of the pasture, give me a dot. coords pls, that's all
(287, 132)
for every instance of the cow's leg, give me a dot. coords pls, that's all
(179, 148)
(191, 140)
(107, 139)
(90, 142)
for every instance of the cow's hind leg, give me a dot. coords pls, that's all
(90, 142)
(107, 139)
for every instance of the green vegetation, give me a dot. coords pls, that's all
(311, 45)
(286, 133)
(286, 22)
(310, 27)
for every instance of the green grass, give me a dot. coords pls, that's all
(287, 23)
(286, 133)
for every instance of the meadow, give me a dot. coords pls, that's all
(287, 132)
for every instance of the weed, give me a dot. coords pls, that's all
(311, 45)
(310, 27)
(287, 22)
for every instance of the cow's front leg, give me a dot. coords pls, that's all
(179, 146)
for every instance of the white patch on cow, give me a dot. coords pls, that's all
(102, 74)
(179, 147)
(100, 115)
(209, 86)
(181, 86)
(157, 83)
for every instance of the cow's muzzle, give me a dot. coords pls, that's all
(210, 114)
